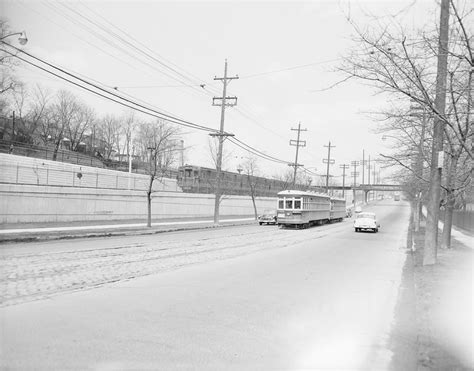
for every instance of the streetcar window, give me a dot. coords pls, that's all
(297, 204)
(288, 204)
(280, 204)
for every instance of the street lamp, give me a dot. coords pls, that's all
(22, 39)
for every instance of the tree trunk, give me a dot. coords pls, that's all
(417, 212)
(148, 197)
(55, 152)
(450, 200)
(254, 205)
(413, 207)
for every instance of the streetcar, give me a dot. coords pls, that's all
(302, 209)
(338, 209)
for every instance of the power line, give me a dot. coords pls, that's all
(77, 36)
(166, 116)
(255, 151)
(111, 42)
(144, 46)
(132, 104)
(193, 85)
(289, 68)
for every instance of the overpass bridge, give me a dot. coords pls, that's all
(365, 188)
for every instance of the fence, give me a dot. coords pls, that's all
(463, 219)
(33, 171)
(47, 153)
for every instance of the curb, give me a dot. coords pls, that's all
(43, 236)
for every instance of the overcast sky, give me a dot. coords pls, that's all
(259, 39)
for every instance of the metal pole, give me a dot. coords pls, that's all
(296, 157)
(363, 165)
(327, 168)
(368, 172)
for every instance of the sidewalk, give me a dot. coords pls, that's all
(444, 306)
(27, 232)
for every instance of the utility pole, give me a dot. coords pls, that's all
(328, 161)
(368, 172)
(343, 167)
(354, 174)
(374, 180)
(431, 233)
(298, 143)
(363, 165)
(223, 102)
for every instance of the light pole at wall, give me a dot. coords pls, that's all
(22, 39)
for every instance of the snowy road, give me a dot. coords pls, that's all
(245, 297)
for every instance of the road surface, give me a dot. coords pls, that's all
(244, 297)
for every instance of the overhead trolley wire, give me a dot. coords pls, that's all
(201, 87)
(158, 114)
(147, 48)
(130, 103)
(255, 151)
(134, 47)
(108, 41)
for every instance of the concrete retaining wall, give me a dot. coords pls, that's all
(37, 171)
(33, 204)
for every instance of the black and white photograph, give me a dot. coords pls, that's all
(236, 185)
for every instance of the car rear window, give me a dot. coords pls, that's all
(366, 215)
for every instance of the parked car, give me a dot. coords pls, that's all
(357, 210)
(366, 221)
(269, 216)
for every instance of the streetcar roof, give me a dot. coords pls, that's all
(338, 199)
(290, 192)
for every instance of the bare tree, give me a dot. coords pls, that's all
(159, 140)
(406, 68)
(20, 99)
(58, 118)
(213, 145)
(128, 127)
(108, 130)
(250, 168)
(37, 111)
(83, 120)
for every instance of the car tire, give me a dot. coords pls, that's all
(260, 223)
(357, 229)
